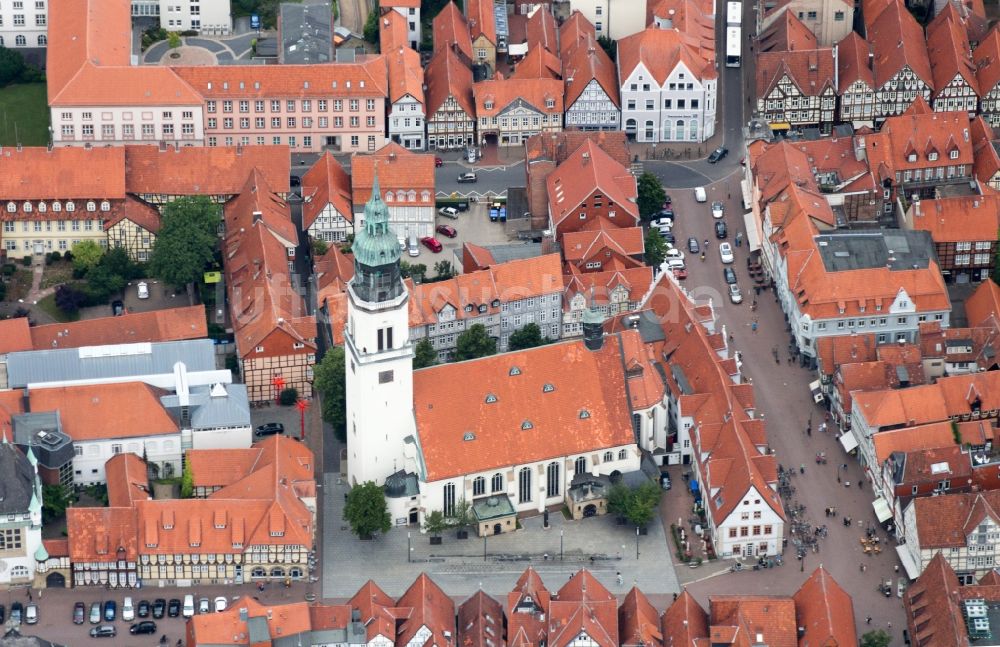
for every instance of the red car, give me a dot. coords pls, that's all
(680, 274)
(446, 230)
(438, 162)
(431, 244)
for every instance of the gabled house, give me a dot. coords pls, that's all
(900, 63)
(963, 528)
(956, 86)
(481, 19)
(407, 183)
(986, 58)
(797, 89)
(964, 231)
(831, 22)
(583, 610)
(605, 249)
(405, 83)
(591, 191)
(609, 292)
(509, 111)
(327, 214)
(592, 93)
(451, 112)
(856, 81)
(409, 10)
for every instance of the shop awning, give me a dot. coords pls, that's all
(753, 240)
(780, 125)
(882, 511)
(848, 441)
(912, 568)
(747, 193)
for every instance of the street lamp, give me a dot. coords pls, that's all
(484, 546)
(408, 548)
(560, 545)
(637, 542)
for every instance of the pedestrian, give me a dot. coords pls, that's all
(890, 624)
(861, 567)
(861, 484)
(753, 327)
(868, 620)
(618, 576)
(730, 337)
(29, 595)
(802, 468)
(675, 597)
(895, 568)
(809, 431)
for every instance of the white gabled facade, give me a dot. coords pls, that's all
(857, 104)
(681, 110)
(957, 95)
(331, 225)
(989, 106)
(412, 15)
(752, 529)
(593, 110)
(24, 24)
(406, 123)
(899, 92)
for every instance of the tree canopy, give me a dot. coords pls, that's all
(475, 342)
(651, 194)
(638, 504)
(86, 255)
(12, 66)
(328, 380)
(366, 510)
(528, 336)
(656, 248)
(371, 27)
(424, 355)
(187, 240)
(877, 638)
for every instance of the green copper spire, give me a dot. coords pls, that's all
(41, 555)
(376, 253)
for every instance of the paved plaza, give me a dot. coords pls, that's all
(458, 566)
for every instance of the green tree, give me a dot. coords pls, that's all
(117, 261)
(424, 355)
(475, 342)
(319, 246)
(288, 397)
(435, 523)
(55, 500)
(187, 482)
(642, 504)
(618, 499)
(416, 271)
(609, 46)
(174, 40)
(69, 299)
(328, 380)
(527, 336)
(102, 283)
(12, 66)
(371, 27)
(463, 516)
(877, 638)
(366, 510)
(656, 248)
(444, 270)
(186, 242)
(86, 255)
(651, 194)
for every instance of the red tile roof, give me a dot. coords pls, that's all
(574, 30)
(480, 622)
(257, 203)
(505, 435)
(949, 51)
(586, 62)
(958, 218)
(740, 620)
(105, 411)
(203, 170)
(377, 611)
(96, 534)
(527, 609)
(85, 30)
(127, 480)
(398, 170)
(685, 621)
(482, 20)
(787, 33)
(638, 621)
(70, 172)
(138, 212)
(812, 71)
(950, 396)
(327, 184)
(825, 611)
(541, 30)
(932, 602)
(15, 335)
(393, 31)
(431, 610)
(539, 63)
(914, 438)
(852, 61)
(284, 621)
(660, 51)
(946, 520)
(583, 605)
(588, 169)
(581, 245)
(559, 146)
(446, 76)
(451, 31)
(897, 42)
(693, 18)
(171, 324)
(986, 58)
(544, 95)
(406, 76)
(983, 306)
(600, 285)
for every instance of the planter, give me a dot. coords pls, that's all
(435, 541)
(462, 534)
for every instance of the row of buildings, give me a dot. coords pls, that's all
(805, 81)
(581, 611)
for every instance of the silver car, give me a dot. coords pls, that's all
(734, 293)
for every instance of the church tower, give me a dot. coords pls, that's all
(378, 353)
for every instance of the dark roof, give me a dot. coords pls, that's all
(306, 33)
(18, 482)
(898, 250)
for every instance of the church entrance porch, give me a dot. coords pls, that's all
(494, 515)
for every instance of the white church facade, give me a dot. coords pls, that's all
(516, 432)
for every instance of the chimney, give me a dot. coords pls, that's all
(586, 158)
(859, 149)
(244, 615)
(258, 216)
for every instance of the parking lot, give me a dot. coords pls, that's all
(472, 226)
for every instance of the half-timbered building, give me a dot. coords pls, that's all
(512, 110)
(856, 81)
(796, 89)
(451, 114)
(955, 84)
(986, 58)
(900, 64)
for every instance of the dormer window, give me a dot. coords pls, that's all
(91, 206)
(932, 157)
(105, 205)
(527, 425)
(550, 103)
(548, 388)
(468, 308)
(953, 154)
(490, 398)
(515, 370)
(496, 303)
(27, 207)
(482, 309)
(469, 436)
(488, 105)
(11, 207)
(42, 207)
(912, 157)
(584, 414)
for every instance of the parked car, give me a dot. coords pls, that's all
(720, 229)
(680, 273)
(104, 631)
(95, 613)
(144, 627)
(665, 481)
(220, 604)
(159, 608)
(662, 223)
(110, 611)
(668, 236)
(673, 252)
(143, 290)
(411, 246)
(734, 293)
(467, 178)
(446, 230)
(188, 609)
(79, 613)
(174, 607)
(16, 613)
(438, 162)
(726, 252)
(128, 611)
(31, 613)
(431, 243)
(729, 275)
(448, 212)
(143, 609)
(693, 245)
(699, 194)
(269, 429)
(117, 308)
(675, 264)
(718, 154)
(203, 605)
(717, 209)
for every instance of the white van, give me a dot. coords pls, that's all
(699, 194)
(188, 608)
(412, 248)
(128, 611)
